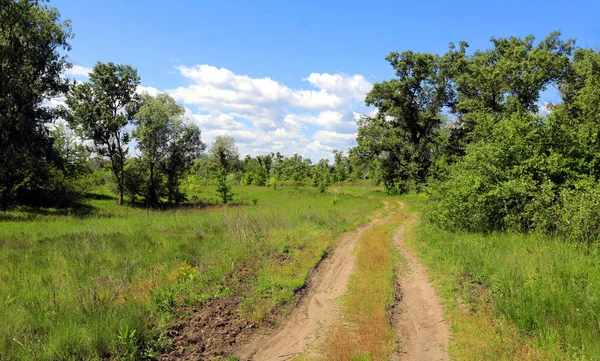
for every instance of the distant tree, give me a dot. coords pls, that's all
(186, 146)
(321, 175)
(341, 167)
(160, 127)
(73, 155)
(100, 109)
(296, 168)
(224, 153)
(32, 44)
(223, 186)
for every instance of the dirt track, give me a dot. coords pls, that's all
(419, 321)
(314, 312)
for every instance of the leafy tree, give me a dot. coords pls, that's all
(341, 167)
(136, 179)
(185, 147)
(321, 175)
(31, 62)
(73, 155)
(296, 168)
(224, 153)
(100, 109)
(159, 126)
(223, 186)
(404, 131)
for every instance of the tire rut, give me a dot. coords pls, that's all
(418, 316)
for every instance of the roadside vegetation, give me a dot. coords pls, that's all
(106, 285)
(512, 296)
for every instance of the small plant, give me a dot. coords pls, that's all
(254, 200)
(223, 187)
(163, 299)
(187, 272)
(335, 200)
(127, 343)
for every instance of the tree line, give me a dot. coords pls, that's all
(467, 129)
(146, 142)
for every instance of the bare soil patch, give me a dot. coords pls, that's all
(212, 332)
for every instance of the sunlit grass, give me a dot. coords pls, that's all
(75, 287)
(514, 296)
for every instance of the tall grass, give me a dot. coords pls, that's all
(545, 289)
(102, 285)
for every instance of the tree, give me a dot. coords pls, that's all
(341, 167)
(31, 62)
(223, 186)
(224, 153)
(158, 123)
(321, 176)
(100, 109)
(185, 147)
(403, 132)
(73, 155)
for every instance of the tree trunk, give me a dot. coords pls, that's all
(153, 197)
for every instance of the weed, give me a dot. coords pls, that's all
(127, 343)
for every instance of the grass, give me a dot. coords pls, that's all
(102, 284)
(515, 296)
(366, 333)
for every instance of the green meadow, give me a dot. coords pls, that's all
(104, 284)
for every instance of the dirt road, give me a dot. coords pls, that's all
(417, 319)
(317, 309)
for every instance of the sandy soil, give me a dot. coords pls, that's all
(315, 311)
(418, 316)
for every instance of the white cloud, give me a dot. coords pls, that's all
(545, 108)
(264, 115)
(217, 120)
(341, 85)
(222, 88)
(147, 89)
(78, 71)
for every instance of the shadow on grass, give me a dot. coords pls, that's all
(100, 197)
(29, 213)
(188, 205)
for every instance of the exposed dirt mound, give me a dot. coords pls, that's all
(211, 333)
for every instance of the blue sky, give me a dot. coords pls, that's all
(244, 67)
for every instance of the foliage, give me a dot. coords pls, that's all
(223, 187)
(167, 145)
(224, 153)
(32, 38)
(100, 109)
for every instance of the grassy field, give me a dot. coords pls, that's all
(104, 284)
(515, 296)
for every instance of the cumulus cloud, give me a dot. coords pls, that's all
(147, 89)
(78, 71)
(264, 115)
